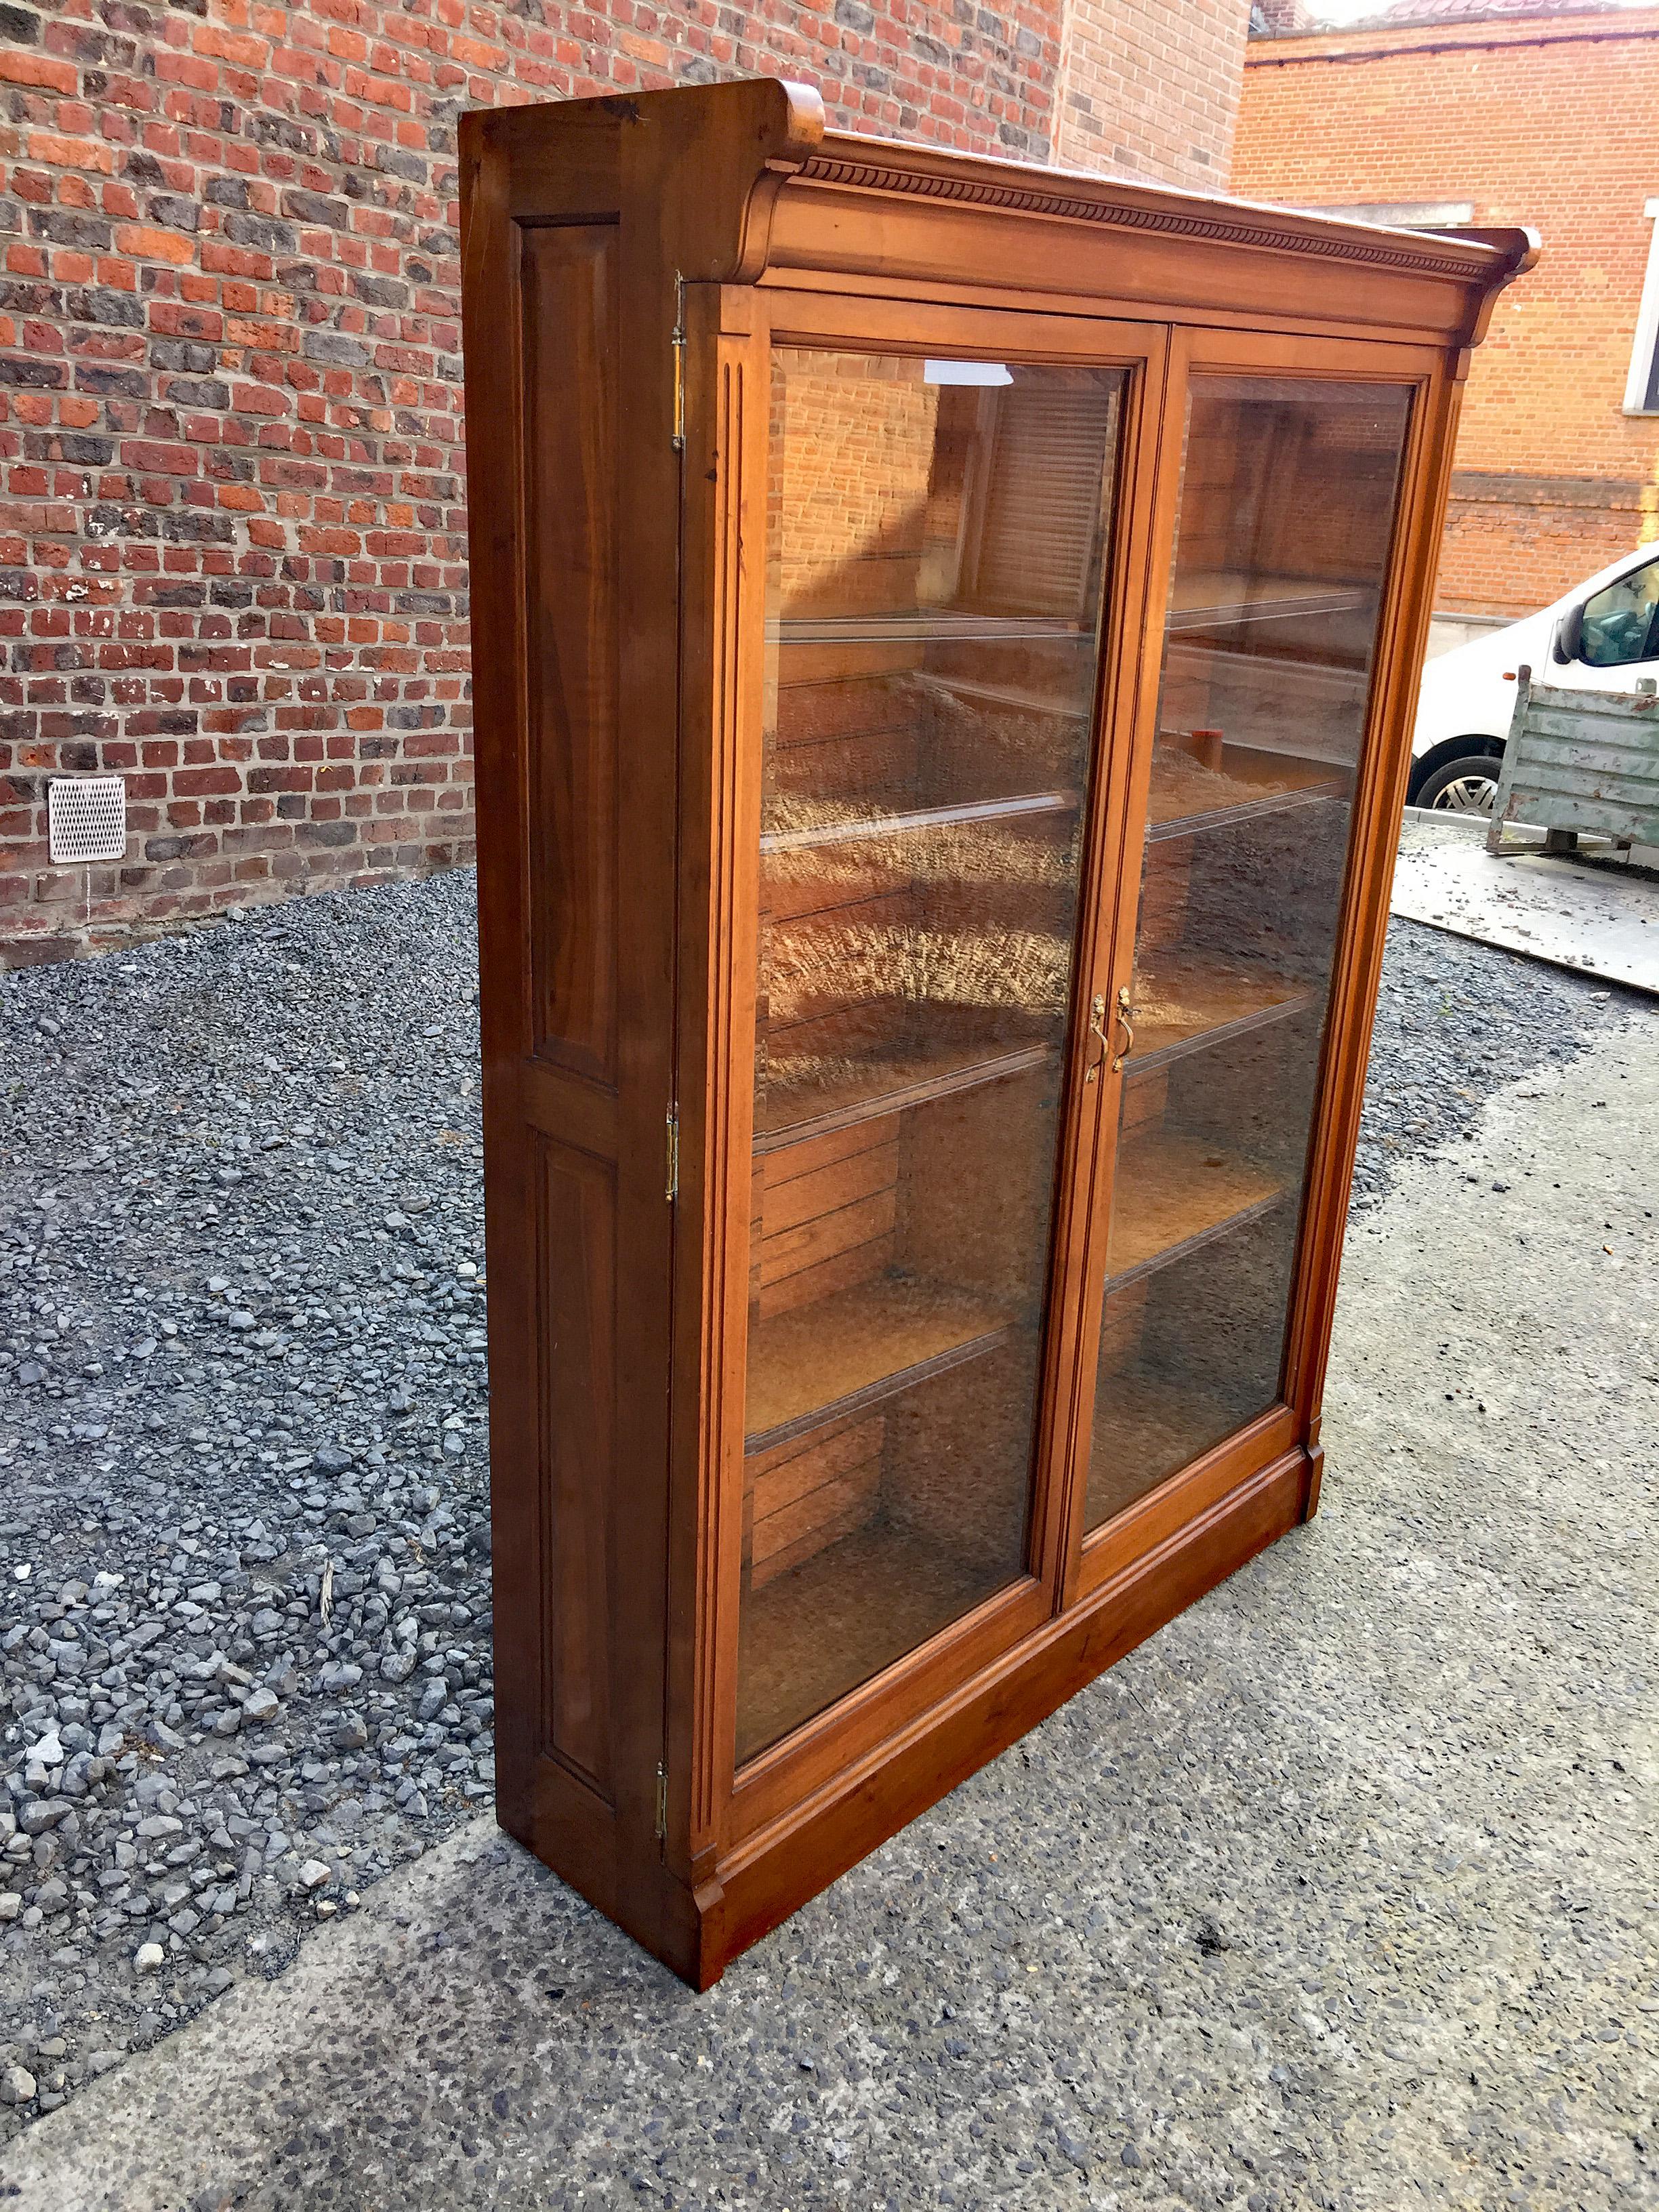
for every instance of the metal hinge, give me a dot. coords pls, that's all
(677, 340)
(662, 1799)
(673, 1190)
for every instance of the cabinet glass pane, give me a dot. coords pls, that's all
(936, 537)
(1287, 505)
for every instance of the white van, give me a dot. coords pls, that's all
(1602, 637)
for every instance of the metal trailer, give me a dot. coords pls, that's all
(1579, 762)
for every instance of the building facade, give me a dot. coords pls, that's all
(233, 549)
(1151, 89)
(1475, 112)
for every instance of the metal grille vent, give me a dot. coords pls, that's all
(88, 815)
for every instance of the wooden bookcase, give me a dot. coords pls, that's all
(945, 642)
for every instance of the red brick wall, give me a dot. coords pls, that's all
(1549, 119)
(232, 521)
(1152, 89)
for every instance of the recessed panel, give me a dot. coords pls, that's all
(577, 1291)
(569, 289)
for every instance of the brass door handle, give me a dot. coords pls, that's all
(1097, 1019)
(1124, 1011)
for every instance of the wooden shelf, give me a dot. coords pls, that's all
(1172, 1194)
(897, 1080)
(845, 829)
(1185, 1002)
(1186, 796)
(921, 625)
(848, 1612)
(1202, 601)
(1013, 696)
(816, 1362)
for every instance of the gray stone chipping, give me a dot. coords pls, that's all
(244, 1573)
(1338, 1893)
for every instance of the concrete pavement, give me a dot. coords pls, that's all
(1339, 1892)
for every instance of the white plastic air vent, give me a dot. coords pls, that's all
(88, 815)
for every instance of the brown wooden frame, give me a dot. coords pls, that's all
(1104, 1553)
(628, 264)
(790, 1773)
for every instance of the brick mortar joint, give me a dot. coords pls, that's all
(172, 554)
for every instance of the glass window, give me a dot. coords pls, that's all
(1287, 507)
(937, 536)
(1642, 385)
(1619, 621)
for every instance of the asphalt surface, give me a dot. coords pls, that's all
(1339, 1893)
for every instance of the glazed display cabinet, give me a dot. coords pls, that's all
(945, 642)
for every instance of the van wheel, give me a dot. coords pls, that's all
(1467, 785)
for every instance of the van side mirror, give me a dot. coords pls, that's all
(1568, 637)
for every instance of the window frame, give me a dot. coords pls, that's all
(1642, 384)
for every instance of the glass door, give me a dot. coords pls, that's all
(937, 542)
(1285, 525)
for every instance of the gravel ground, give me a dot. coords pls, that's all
(245, 1629)
(1455, 1021)
(244, 1577)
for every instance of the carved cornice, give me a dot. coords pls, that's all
(1202, 220)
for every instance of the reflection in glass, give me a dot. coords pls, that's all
(935, 550)
(1621, 623)
(1286, 515)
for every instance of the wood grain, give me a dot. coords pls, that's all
(1173, 1190)
(576, 1242)
(813, 1362)
(569, 291)
(625, 904)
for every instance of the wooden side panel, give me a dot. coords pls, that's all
(575, 1014)
(569, 289)
(575, 1332)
